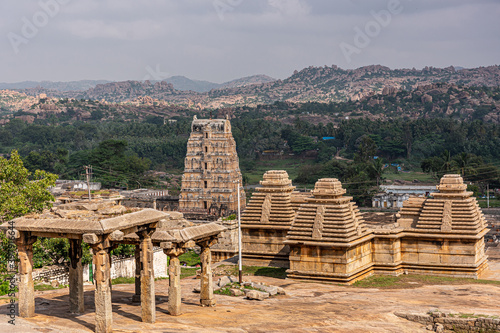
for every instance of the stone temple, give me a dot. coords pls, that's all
(212, 173)
(266, 221)
(328, 239)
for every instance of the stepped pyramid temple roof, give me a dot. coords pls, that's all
(328, 217)
(271, 204)
(266, 221)
(441, 235)
(451, 210)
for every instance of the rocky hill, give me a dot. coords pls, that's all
(330, 84)
(184, 83)
(312, 84)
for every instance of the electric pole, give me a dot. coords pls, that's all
(88, 173)
(488, 195)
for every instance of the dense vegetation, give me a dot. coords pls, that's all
(122, 151)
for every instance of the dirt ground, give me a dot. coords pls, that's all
(307, 307)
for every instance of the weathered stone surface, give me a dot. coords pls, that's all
(266, 221)
(223, 281)
(271, 290)
(440, 235)
(236, 292)
(26, 285)
(103, 305)
(257, 295)
(174, 289)
(281, 291)
(212, 174)
(148, 304)
(206, 279)
(328, 238)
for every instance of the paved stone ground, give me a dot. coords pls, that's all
(307, 307)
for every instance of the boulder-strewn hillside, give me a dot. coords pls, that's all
(312, 84)
(436, 100)
(326, 84)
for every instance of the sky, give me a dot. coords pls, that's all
(221, 40)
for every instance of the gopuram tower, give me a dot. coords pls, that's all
(211, 171)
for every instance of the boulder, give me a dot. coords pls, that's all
(223, 281)
(236, 292)
(257, 295)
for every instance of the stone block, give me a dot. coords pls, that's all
(257, 295)
(236, 292)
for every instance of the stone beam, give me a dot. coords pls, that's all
(148, 305)
(206, 283)
(103, 304)
(26, 285)
(76, 304)
(174, 285)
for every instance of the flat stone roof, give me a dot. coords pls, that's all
(98, 217)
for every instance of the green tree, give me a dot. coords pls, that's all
(21, 192)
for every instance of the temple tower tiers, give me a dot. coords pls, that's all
(266, 221)
(328, 239)
(444, 234)
(212, 172)
(451, 210)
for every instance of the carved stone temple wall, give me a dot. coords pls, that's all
(266, 221)
(212, 173)
(443, 234)
(329, 240)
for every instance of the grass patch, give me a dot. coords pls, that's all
(187, 272)
(469, 315)
(494, 203)
(44, 287)
(414, 281)
(190, 258)
(235, 285)
(274, 272)
(123, 280)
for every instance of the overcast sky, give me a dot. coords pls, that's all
(220, 40)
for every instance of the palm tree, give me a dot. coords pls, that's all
(376, 169)
(447, 161)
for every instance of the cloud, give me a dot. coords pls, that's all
(119, 39)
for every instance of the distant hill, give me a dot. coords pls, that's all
(186, 84)
(313, 84)
(57, 86)
(246, 81)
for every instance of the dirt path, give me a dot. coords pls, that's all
(307, 307)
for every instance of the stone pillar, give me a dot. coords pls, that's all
(148, 304)
(137, 295)
(103, 304)
(26, 285)
(206, 285)
(76, 304)
(174, 285)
